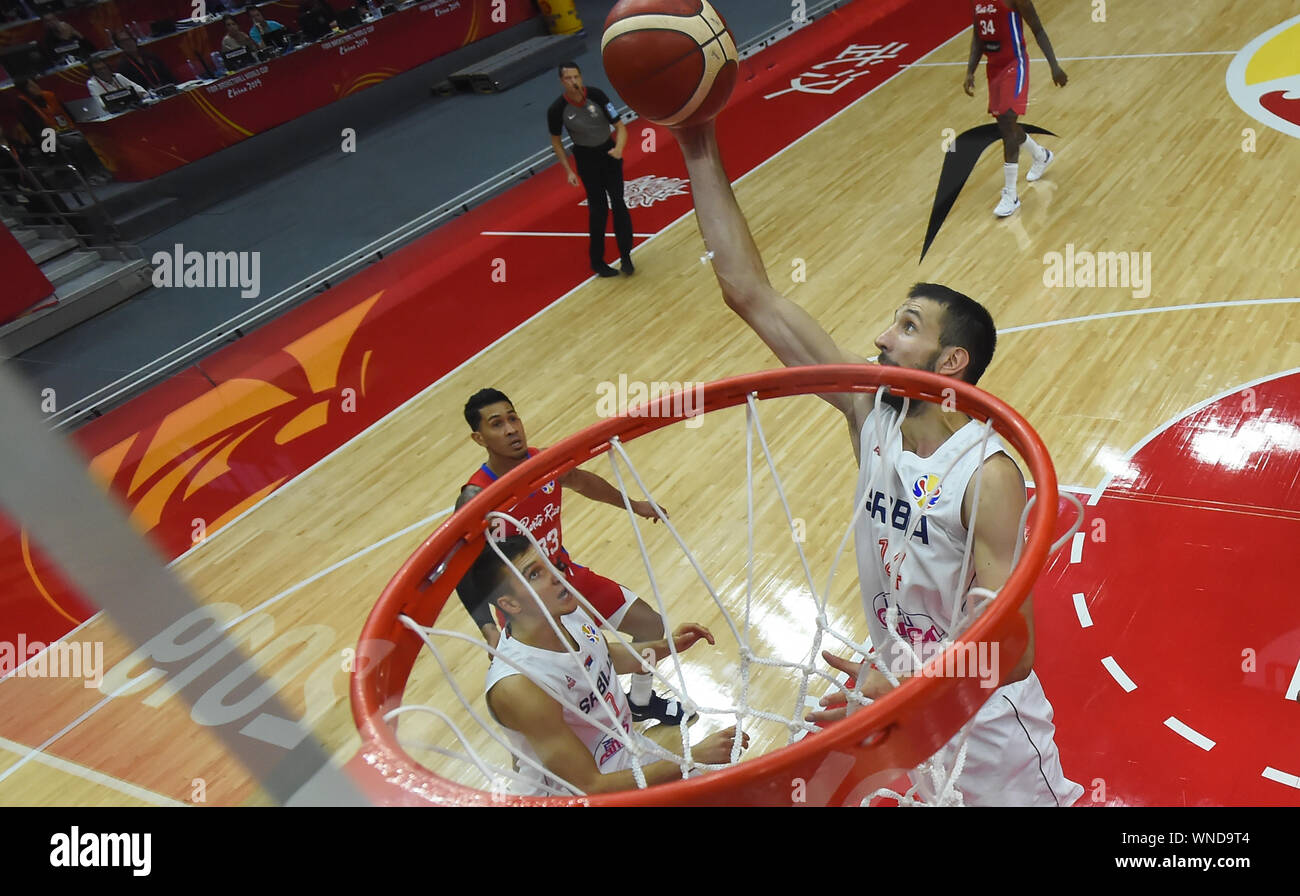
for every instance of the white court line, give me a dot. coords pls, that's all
(1076, 547)
(95, 776)
(1139, 312)
(1145, 440)
(1081, 610)
(1189, 734)
(34, 752)
(549, 233)
(1090, 58)
(333, 567)
(1281, 777)
(1293, 690)
(1118, 674)
(1061, 487)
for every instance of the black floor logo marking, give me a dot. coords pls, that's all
(958, 164)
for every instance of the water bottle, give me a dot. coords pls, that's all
(218, 64)
(194, 72)
(374, 10)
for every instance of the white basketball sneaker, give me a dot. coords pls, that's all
(1036, 170)
(1010, 202)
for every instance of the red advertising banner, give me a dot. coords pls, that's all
(200, 121)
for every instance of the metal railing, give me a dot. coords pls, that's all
(57, 202)
(194, 350)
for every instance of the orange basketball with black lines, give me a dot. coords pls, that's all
(673, 61)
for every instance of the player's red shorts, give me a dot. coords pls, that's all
(608, 597)
(1008, 88)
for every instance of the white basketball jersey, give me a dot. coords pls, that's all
(572, 677)
(921, 573)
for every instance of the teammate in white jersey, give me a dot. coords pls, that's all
(559, 699)
(1011, 756)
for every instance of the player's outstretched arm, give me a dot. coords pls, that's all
(597, 488)
(519, 704)
(684, 636)
(790, 331)
(1030, 15)
(997, 533)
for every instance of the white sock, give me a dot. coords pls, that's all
(1011, 171)
(641, 687)
(1037, 151)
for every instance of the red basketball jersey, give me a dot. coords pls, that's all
(539, 512)
(1002, 32)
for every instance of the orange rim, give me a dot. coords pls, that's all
(897, 731)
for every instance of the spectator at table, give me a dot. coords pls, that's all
(40, 110)
(262, 27)
(143, 68)
(104, 80)
(62, 40)
(316, 18)
(235, 38)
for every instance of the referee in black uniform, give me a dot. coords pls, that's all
(588, 114)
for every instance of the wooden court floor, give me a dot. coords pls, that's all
(1151, 160)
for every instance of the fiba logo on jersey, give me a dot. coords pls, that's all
(926, 491)
(589, 633)
(549, 487)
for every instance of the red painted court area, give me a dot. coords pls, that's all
(1202, 527)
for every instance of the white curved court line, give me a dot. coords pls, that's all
(1101, 487)
(1281, 777)
(1120, 676)
(1081, 610)
(1189, 734)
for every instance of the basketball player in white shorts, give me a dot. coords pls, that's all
(909, 573)
(558, 698)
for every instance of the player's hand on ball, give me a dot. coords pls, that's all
(647, 510)
(1058, 77)
(688, 633)
(969, 84)
(573, 179)
(716, 748)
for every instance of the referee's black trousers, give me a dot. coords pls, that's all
(602, 176)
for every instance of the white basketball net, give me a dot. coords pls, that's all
(934, 782)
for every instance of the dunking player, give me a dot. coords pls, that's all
(999, 33)
(495, 426)
(565, 735)
(1011, 755)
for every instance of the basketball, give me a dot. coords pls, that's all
(673, 61)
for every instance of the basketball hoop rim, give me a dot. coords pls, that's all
(377, 682)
